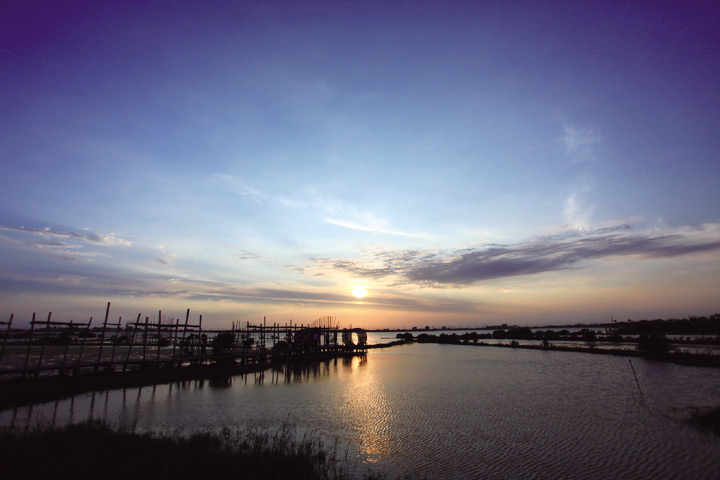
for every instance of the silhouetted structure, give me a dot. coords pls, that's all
(71, 348)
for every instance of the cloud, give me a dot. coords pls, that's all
(93, 238)
(58, 244)
(167, 259)
(580, 142)
(245, 255)
(328, 299)
(323, 205)
(576, 214)
(543, 254)
(370, 224)
(237, 186)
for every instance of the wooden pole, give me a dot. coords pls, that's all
(145, 339)
(159, 333)
(132, 342)
(82, 343)
(114, 343)
(44, 340)
(30, 339)
(67, 347)
(7, 335)
(200, 334)
(636, 379)
(174, 335)
(102, 337)
(187, 317)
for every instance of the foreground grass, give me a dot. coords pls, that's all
(95, 450)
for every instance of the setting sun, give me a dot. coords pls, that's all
(359, 291)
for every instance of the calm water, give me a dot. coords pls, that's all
(447, 411)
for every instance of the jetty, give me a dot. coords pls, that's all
(70, 349)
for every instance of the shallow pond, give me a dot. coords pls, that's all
(450, 411)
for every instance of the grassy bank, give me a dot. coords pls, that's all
(95, 450)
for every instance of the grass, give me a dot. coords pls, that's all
(94, 449)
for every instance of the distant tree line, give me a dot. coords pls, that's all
(688, 326)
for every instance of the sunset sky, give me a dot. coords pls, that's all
(459, 163)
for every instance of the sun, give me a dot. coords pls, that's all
(359, 291)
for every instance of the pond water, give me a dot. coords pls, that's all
(450, 411)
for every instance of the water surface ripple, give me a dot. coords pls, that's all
(451, 412)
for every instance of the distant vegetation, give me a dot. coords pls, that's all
(688, 326)
(649, 332)
(649, 338)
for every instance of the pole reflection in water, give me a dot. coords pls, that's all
(448, 412)
(132, 407)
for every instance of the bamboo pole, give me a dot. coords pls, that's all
(114, 343)
(187, 317)
(132, 342)
(44, 340)
(174, 336)
(145, 339)
(67, 347)
(159, 334)
(200, 334)
(82, 343)
(7, 335)
(636, 379)
(102, 337)
(30, 339)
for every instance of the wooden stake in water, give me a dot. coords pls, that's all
(132, 341)
(82, 342)
(636, 379)
(30, 339)
(7, 335)
(102, 338)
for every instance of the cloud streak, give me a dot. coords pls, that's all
(93, 238)
(541, 255)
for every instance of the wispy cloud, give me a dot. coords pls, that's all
(576, 214)
(543, 254)
(60, 244)
(326, 299)
(94, 238)
(370, 224)
(237, 186)
(321, 205)
(580, 142)
(166, 259)
(245, 255)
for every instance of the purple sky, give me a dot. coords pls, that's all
(464, 163)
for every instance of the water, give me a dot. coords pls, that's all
(449, 411)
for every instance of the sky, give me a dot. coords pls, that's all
(389, 163)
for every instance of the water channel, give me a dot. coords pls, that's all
(450, 412)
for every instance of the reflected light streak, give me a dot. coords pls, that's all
(367, 404)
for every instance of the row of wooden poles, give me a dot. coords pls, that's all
(42, 331)
(191, 339)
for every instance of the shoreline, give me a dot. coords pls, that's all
(34, 391)
(26, 392)
(679, 358)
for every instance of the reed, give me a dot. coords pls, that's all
(95, 449)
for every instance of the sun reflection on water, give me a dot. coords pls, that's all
(368, 410)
